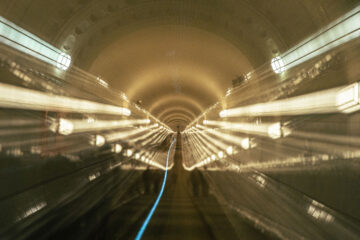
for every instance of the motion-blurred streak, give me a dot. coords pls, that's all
(205, 144)
(155, 138)
(200, 149)
(128, 135)
(20, 122)
(273, 130)
(22, 40)
(340, 31)
(340, 139)
(343, 99)
(22, 98)
(7, 132)
(240, 141)
(214, 141)
(68, 126)
(323, 147)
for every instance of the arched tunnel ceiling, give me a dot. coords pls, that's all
(177, 57)
(170, 66)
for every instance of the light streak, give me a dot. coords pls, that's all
(343, 99)
(149, 216)
(22, 40)
(22, 98)
(227, 137)
(340, 31)
(67, 126)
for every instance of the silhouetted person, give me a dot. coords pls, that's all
(195, 181)
(156, 180)
(147, 180)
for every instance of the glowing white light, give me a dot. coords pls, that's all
(137, 156)
(223, 114)
(34, 209)
(274, 131)
(129, 152)
(90, 120)
(102, 82)
(65, 127)
(63, 61)
(278, 65)
(116, 148)
(221, 154)
(245, 143)
(347, 99)
(229, 150)
(99, 140)
(98, 125)
(148, 121)
(213, 157)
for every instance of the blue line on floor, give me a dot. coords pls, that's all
(148, 218)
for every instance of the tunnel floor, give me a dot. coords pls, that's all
(183, 213)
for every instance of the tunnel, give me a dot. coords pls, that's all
(180, 119)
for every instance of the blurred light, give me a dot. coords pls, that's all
(129, 152)
(340, 31)
(245, 143)
(213, 157)
(102, 82)
(137, 156)
(142, 158)
(65, 127)
(325, 101)
(34, 209)
(229, 150)
(274, 131)
(22, 40)
(116, 148)
(125, 135)
(63, 61)
(223, 114)
(90, 120)
(99, 125)
(278, 65)
(33, 149)
(99, 140)
(22, 98)
(227, 137)
(221, 154)
(347, 99)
